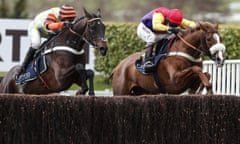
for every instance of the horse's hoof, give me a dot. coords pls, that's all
(210, 93)
(80, 93)
(91, 93)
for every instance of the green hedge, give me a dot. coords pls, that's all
(123, 41)
(231, 35)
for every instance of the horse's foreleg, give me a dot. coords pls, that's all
(90, 77)
(190, 74)
(85, 75)
(82, 79)
(209, 87)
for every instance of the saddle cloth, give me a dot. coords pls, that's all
(36, 67)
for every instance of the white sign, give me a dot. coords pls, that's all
(14, 43)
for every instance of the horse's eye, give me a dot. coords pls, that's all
(208, 39)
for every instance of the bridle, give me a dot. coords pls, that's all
(89, 40)
(203, 43)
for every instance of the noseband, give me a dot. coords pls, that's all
(91, 41)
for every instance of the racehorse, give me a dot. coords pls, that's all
(179, 69)
(65, 59)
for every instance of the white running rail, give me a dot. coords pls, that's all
(225, 80)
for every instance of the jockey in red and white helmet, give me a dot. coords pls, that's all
(45, 24)
(160, 23)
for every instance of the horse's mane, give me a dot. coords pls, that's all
(185, 31)
(188, 30)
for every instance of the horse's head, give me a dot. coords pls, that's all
(211, 43)
(92, 30)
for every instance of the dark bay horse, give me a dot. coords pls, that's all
(65, 58)
(179, 70)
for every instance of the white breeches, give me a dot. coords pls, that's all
(150, 37)
(35, 37)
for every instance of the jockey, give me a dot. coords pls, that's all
(160, 23)
(44, 25)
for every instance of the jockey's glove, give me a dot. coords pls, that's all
(174, 30)
(68, 24)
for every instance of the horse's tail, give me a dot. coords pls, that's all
(119, 66)
(111, 75)
(114, 70)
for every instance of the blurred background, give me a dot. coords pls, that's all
(221, 11)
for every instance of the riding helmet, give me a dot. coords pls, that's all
(67, 12)
(175, 16)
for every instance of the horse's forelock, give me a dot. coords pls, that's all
(208, 27)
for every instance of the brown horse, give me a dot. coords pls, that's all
(180, 69)
(65, 59)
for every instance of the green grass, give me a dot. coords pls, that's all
(100, 83)
(2, 73)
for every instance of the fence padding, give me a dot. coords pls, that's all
(117, 120)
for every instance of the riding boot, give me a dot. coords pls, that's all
(148, 64)
(27, 59)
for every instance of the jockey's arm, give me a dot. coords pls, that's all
(55, 26)
(157, 22)
(188, 23)
(52, 24)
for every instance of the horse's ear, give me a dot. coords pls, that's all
(204, 26)
(98, 12)
(86, 12)
(198, 25)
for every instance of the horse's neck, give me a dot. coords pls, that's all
(65, 38)
(187, 47)
(194, 38)
(188, 43)
(72, 37)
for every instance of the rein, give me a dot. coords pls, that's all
(79, 35)
(188, 44)
(185, 55)
(69, 49)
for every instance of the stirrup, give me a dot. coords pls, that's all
(149, 67)
(148, 64)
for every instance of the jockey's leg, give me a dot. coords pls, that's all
(35, 39)
(27, 59)
(148, 64)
